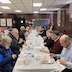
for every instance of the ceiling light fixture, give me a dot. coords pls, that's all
(5, 1)
(35, 12)
(43, 9)
(53, 9)
(5, 7)
(37, 4)
(18, 11)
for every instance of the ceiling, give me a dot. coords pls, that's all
(26, 6)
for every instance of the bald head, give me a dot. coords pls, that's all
(65, 40)
(15, 32)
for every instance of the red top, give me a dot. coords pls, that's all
(56, 48)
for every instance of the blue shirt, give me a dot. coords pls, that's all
(66, 55)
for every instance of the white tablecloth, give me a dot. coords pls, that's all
(35, 65)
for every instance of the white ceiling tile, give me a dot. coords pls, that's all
(16, 1)
(29, 5)
(36, 9)
(19, 4)
(37, 1)
(26, 6)
(48, 2)
(58, 2)
(27, 1)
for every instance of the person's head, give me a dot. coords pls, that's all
(22, 28)
(30, 26)
(6, 41)
(15, 32)
(37, 28)
(6, 28)
(54, 34)
(65, 40)
(27, 28)
(48, 34)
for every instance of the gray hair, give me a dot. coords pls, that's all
(67, 38)
(5, 39)
(22, 27)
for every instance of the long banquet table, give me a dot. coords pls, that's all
(34, 64)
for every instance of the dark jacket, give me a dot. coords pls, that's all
(49, 42)
(5, 59)
(14, 45)
(21, 35)
(43, 33)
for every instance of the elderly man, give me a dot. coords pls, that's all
(21, 34)
(6, 55)
(66, 55)
(15, 41)
(56, 47)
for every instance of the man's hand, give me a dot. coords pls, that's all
(25, 44)
(53, 55)
(20, 41)
(63, 62)
(44, 50)
(14, 56)
(41, 49)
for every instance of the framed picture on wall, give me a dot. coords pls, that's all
(9, 22)
(2, 22)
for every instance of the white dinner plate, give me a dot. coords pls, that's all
(49, 62)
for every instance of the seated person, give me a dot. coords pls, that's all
(56, 47)
(21, 34)
(6, 55)
(28, 31)
(66, 54)
(42, 31)
(16, 41)
(48, 41)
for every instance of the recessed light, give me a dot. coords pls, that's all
(53, 9)
(46, 12)
(37, 4)
(5, 7)
(35, 12)
(43, 9)
(18, 11)
(5, 1)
